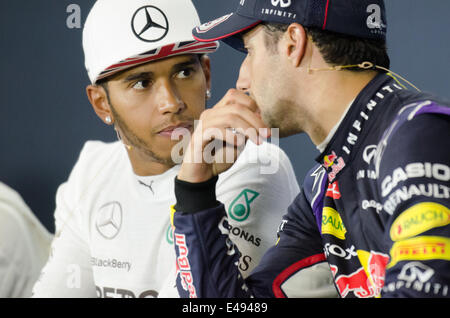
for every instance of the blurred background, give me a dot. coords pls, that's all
(45, 117)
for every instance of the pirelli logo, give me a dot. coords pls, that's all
(420, 248)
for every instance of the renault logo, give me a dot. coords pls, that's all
(149, 24)
(109, 220)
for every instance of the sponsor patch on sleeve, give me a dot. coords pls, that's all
(420, 248)
(418, 219)
(332, 223)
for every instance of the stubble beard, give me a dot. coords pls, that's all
(137, 143)
(283, 115)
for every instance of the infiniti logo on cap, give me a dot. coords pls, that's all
(282, 3)
(149, 24)
(109, 220)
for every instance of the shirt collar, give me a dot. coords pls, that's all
(345, 138)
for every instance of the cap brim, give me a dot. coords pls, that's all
(174, 49)
(227, 28)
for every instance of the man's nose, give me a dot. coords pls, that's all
(243, 81)
(167, 98)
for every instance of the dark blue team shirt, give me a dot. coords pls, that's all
(375, 207)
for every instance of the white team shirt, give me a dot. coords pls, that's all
(24, 245)
(113, 235)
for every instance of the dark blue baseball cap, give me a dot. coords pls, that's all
(359, 18)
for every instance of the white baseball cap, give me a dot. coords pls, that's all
(120, 34)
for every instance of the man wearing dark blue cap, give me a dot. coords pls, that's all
(375, 209)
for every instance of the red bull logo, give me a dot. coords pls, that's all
(335, 163)
(368, 280)
(183, 267)
(329, 160)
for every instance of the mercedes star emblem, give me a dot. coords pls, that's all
(150, 24)
(109, 220)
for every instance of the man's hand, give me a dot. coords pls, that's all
(221, 135)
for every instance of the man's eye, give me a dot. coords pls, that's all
(185, 73)
(143, 84)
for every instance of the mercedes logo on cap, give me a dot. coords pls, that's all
(149, 24)
(109, 220)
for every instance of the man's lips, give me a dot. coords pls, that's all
(169, 130)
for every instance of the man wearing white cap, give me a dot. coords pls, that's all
(149, 79)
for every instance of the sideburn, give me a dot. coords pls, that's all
(135, 141)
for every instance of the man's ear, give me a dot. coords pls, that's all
(206, 66)
(100, 103)
(295, 40)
